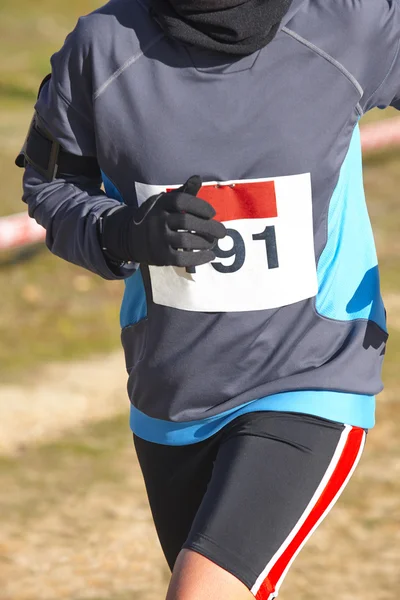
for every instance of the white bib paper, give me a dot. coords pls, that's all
(266, 261)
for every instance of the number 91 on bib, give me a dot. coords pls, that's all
(267, 259)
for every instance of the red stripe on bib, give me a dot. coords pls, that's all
(255, 200)
(241, 200)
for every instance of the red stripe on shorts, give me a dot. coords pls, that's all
(321, 507)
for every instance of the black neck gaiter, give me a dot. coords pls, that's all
(236, 27)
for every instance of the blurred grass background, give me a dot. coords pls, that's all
(76, 522)
(62, 312)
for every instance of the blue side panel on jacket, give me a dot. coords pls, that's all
(134, 304)
(348, 274)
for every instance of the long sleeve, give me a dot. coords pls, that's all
(69, 208)
(69, 211)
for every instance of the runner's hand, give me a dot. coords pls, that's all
(173, 228)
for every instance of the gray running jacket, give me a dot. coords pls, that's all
(289, 316)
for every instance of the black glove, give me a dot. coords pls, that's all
(164, 230)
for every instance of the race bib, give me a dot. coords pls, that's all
(267, 259)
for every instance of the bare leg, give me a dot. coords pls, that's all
(198, 578)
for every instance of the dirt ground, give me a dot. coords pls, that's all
(76, 524)
(60, 397)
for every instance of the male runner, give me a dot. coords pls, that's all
(226, 135)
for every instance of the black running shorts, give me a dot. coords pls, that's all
(249, 497)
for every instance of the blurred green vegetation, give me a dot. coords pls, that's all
(49, 309)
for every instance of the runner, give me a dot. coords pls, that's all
(226, 135)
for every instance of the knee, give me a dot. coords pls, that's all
(195, 577)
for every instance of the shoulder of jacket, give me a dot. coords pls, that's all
(361, 17)
(360, 37)
(104, 43)
(119, 23)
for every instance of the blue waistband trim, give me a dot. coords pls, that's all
(352, 409)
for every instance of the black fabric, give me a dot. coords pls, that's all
(236, 496)
(164, 230)
(235, 27)
(51, 160)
